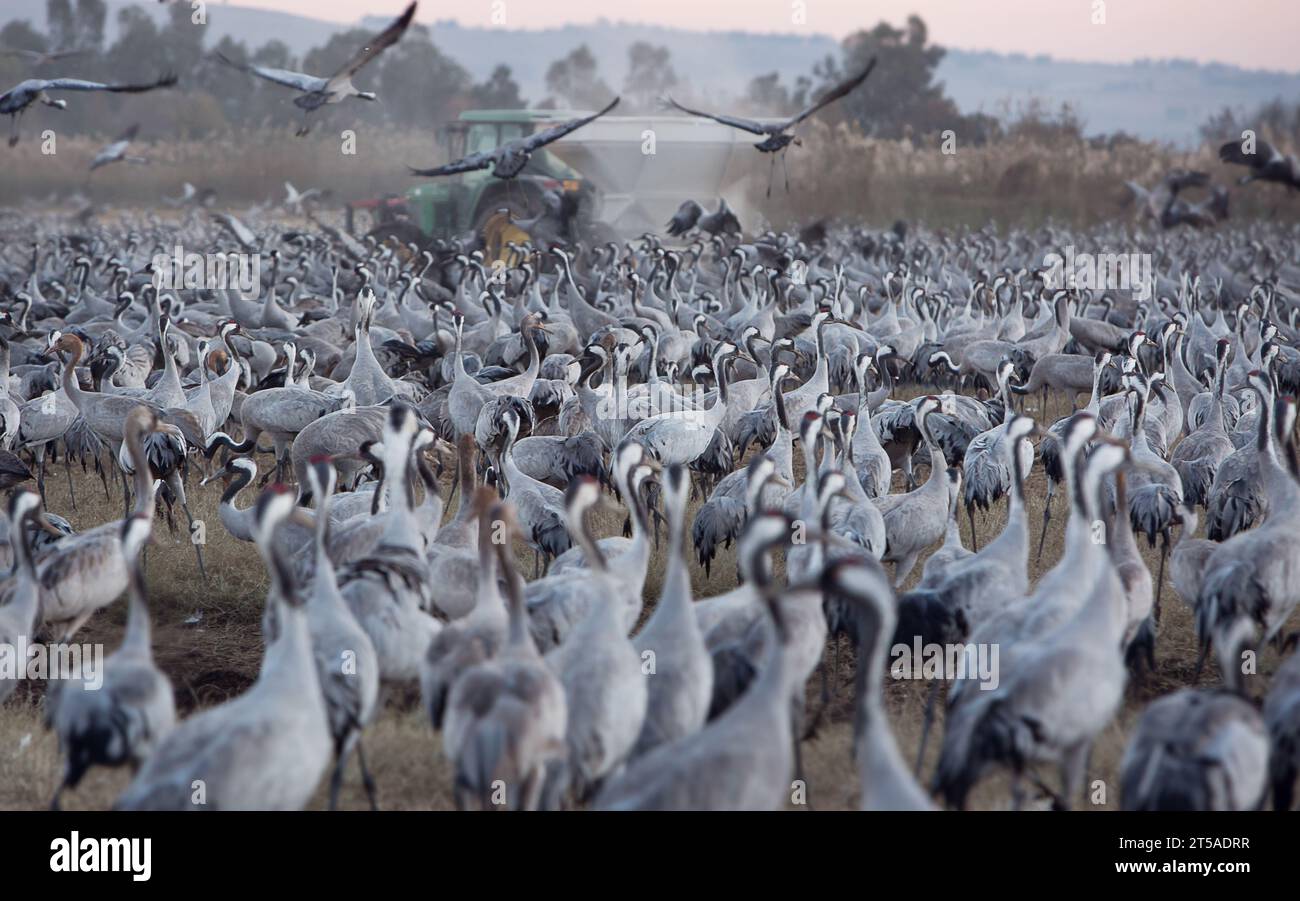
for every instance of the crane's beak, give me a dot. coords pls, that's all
(220, 473)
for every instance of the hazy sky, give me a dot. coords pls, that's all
(1252, 33)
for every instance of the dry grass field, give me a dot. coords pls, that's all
(208, 641)
(1010, 182)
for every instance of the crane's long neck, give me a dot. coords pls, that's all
(938, 463)
(1278, 483)
(1215, 418)
(1094, 401)
(677, 580)
(1016, 532)
(1123, 544)
(71, 386)
(142, 477)
(534, 355)
(488, 603)
(325, 585)
(26, 598)
(139, 631)
(401, 530)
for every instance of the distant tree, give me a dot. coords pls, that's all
(420, 86)
(274, 53)
(575, 81)
(901, 94)
(650, 75)
(134, 55)
(326, 59)
(1220, 126)
(89, 24)
(765, 95)
(61, 23)
(1276, 120)
(500, 91)
(181, 40)
(20, 35)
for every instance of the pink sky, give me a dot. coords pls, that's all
(1251, 33)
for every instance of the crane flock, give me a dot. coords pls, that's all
(444, 443)
(808, 438)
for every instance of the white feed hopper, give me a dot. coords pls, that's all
(645, 166)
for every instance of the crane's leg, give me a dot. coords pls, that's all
(1047, 517)
(771, 174)
(1160, 579)
(367, 779)
(931, 697)
(336, 780)
(13, 128)
(40, 471)
(1017, 791)
(974, 539)
(785, 168)
(530, 794)
(178, 488)
(1200, 660)
(1074, 770)
(103, 476)
(797, 714)
(72, 494)
(810, 731)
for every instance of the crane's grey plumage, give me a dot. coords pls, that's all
(744, 759)
(15, 101)
(509, 159)
(1196, 750)
(268, 748)
(123, 718)
(679, 692)
(314, 91)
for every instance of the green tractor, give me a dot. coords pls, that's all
(616, 177)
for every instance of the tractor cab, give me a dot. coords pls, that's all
(478, 201)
